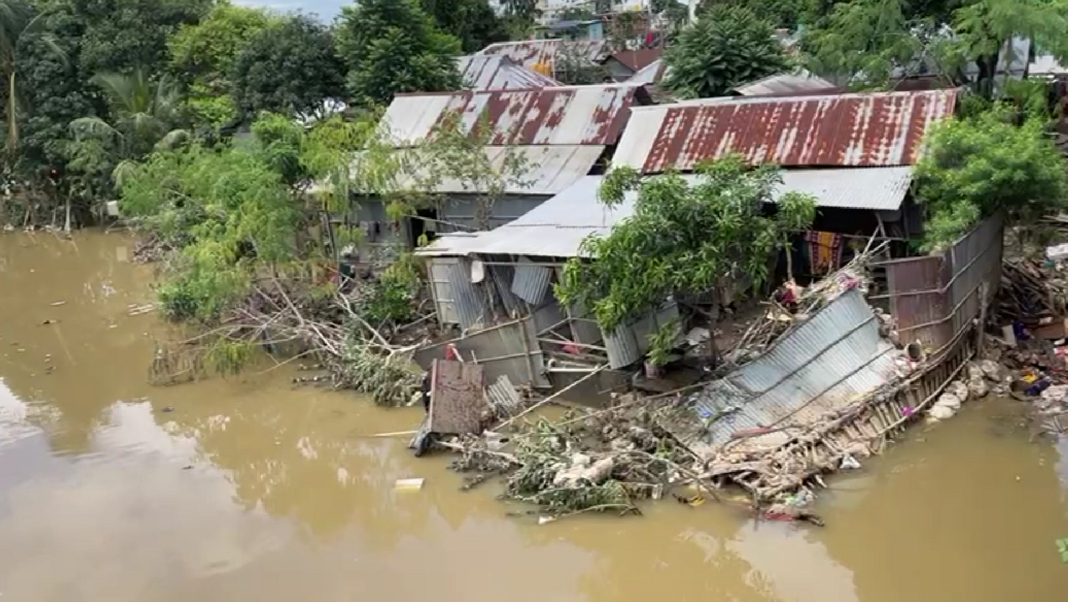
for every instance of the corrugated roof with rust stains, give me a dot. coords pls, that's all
(874, 129)
(542, 54)
(500, 73)
(571, 115)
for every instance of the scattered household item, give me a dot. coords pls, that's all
(409, 484)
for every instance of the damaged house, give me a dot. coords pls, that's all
(875, 345)
(558, 135)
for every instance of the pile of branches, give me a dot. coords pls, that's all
(283, 318)
(600, 461)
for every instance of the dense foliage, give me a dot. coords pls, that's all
(683, 238)
(203, 57)
(392, 46)
(728, 46)
(977, 166)
(288, 67)
(874, 43)
(473, 22)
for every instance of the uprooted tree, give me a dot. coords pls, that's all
(683, 238)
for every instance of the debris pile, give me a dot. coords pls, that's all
(980, 378)
(1031, 290)
(791, 306)
(606, 460)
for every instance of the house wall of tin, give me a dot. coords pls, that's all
(462, 210)
(509, 349)
(935, 298)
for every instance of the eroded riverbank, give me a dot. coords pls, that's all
(244, 488)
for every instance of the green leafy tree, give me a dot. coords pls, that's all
(52, 91)
(288, 67)
(727, 46)
(780, 13)
(682, 238)
(867, 42)
(229, 213)
(392, 46)
(473, 22)
(977, 166)
(121, 35)
(202, 58)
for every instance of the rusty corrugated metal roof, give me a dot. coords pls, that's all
(873, 129)
(481, 72)
(638, 59)
(566, 115)
(541, 55)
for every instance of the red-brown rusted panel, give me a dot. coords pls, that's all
(876, 129)
(594, 115)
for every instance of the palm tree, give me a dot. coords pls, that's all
(17, 19)
(142, 112)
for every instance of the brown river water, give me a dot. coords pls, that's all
(245, 488)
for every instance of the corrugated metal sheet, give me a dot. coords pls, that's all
(876, 129)
(627, 344)
(531, 282)
(469, 309)
(1045, 65)
(502, 279)
(934, 298)
(509, 348)
(557, 227)
(503, 397)
(542, 55)
(821, 366)
(480, 72)
(571, 115)
(441, 289)
(548, 169)
(650, 74)
(785, 83)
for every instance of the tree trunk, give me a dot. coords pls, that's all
(66, 225)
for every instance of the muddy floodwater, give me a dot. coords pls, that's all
(245, 488)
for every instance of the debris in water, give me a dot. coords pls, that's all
(167, 409)
(1062, 547)
(545, 519)
(409, 484)
(849, 463)
(58, 303)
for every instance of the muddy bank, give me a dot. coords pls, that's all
(246, 488)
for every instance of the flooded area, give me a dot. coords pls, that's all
(246, 488)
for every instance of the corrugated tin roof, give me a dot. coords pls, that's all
(541, 55)
(593, 115)
(549, 169)
(826, 363)
(784, 83)
(1046, 64)
(637, 59)
(557, 227)
(499, 73)
(875, 129)
(650, 74)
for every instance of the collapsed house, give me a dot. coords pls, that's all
(557, 135)
(838, 385)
